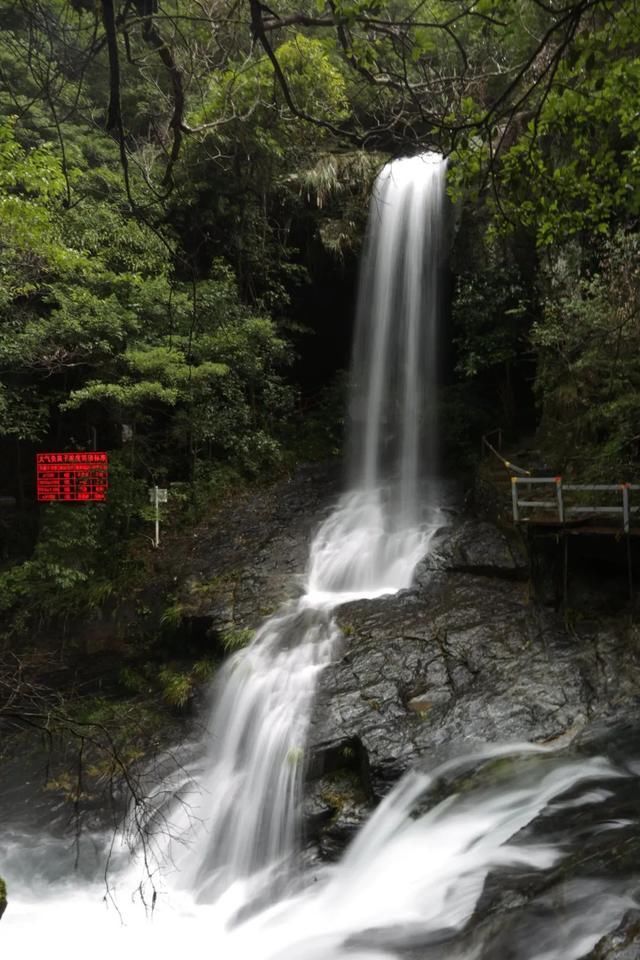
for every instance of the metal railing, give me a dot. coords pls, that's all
(563, 502)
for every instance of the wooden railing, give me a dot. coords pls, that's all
(565, 502)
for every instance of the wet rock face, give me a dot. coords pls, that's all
(246, 563)
(481, 548)
(465, 657)
(623, 943)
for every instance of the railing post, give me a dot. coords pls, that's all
(560, 499)
(626, 516)
(156, 501)
(514, 499)
(625, 506)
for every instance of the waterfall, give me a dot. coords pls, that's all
(393, 438)
(382, 525)
(235, 821)
(218, 855)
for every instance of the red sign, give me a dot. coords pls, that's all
(77, 477)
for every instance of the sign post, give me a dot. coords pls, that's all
(157, 495)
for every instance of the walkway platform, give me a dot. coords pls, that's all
(554, 505)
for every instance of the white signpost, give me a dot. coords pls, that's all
(158, 495)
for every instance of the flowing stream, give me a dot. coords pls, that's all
(220, 864)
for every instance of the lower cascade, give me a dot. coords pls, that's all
(217, 860)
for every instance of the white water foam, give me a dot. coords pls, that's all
(407, 879)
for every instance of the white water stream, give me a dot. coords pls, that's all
(406, 881)
(219, 864)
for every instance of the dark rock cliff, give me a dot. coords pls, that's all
(465, 657)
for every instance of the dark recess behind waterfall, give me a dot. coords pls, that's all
(325, 307)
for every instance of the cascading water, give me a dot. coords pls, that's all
(395, 363)
(381, 527)
(409, 886)
(236, 816)
(220, 847)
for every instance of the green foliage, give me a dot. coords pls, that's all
(243, 171)
(588, 345)
(172, 615)
(235, 638)
(62, 577)
(216, 375)
(568, 179)
(318, 433)
(98, 335)
(159, 346)
(583, 160)
(490, 309)
(203, 670)
(176, 687)
(116, 734)
(338, 186)
(316, 86)
(494, 302)
(80, 560)
(570, 166)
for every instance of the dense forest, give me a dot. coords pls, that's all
(183, 194)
